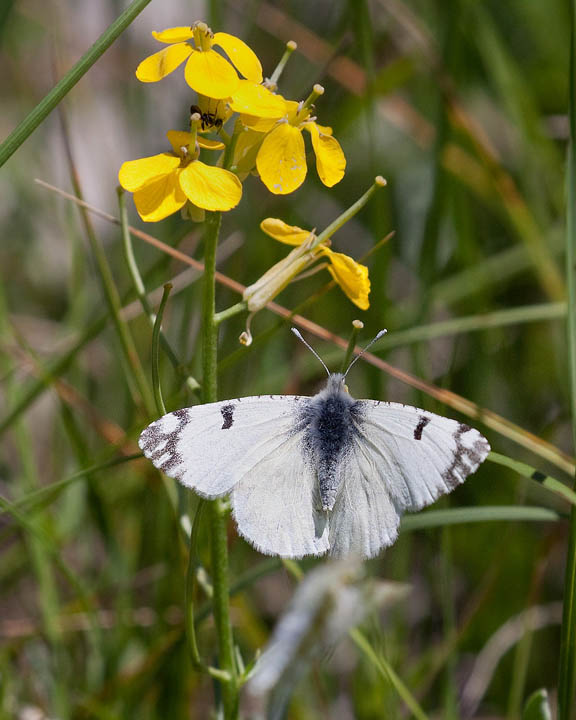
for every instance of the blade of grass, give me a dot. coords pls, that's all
(486, 513)
(530, 472)
(46, 494)
(567, 665)
(388, 673)
(471, 323)
(140, 289)
(156, 386)
(63, 87)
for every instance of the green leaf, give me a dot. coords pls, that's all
(537, 706)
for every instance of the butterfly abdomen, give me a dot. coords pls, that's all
(331, 424)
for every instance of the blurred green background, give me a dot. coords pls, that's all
(461, 105)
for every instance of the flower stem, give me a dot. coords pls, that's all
(217, 508)
(273, 81)
(567, 669)
(156, 386)
(379, 182)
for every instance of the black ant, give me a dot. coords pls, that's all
(209, 119)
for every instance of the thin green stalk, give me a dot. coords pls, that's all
(61, 89)
(156, 386)
(357, 325)
(388, 673)
(472, 323)
(567, 667)
(193, 651)
(192, 384)
(230, 312)
(379, 182)
(218, 509)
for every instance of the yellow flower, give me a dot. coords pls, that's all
(206, 71)
(351, 276)
(163, 184)
(281, 159)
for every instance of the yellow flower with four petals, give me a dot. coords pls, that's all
(164, 183)
(206, 71)
(281, 156)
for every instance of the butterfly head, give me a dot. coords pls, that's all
(336, 384)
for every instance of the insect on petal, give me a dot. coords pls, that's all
(351, 276)
(210, 74)
(159, 198)
(174, 35)
(209, 187)
(257, 100)
(281, 160)
(284, 233)
(330, 159)
(162, 63)
(135, 174)
(241, 56)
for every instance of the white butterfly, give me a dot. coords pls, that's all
(311, 475)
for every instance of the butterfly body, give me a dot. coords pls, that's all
(310, 475)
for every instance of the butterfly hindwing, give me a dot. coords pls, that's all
(402, 458)
(276, 505)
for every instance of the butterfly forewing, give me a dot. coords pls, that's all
(211, 447)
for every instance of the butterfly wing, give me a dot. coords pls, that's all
(276, 505)
(401, 459)
(210, 447)
(253, 447)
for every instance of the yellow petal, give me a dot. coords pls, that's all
(209, 144)
(261, 125)
(173, 35)
(178, 139)
(162, 63)
(351, 276)
(246, 150)
(241, 56)
(281, 160)
(134, 174)
(209, 187)
(325, 129)
(160, 198)
(210, 74)
(292, 108)
(284, 233)
(330, 159)
(257, 100)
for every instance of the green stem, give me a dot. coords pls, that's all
(192, 384)
(379, 182)
(63, 87)
(357, 325)
(218, 509)
(230, 312)
(156, 386)
(290, 47)
(567, 668)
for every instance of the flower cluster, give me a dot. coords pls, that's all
(265, 139)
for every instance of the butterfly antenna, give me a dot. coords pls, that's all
(299, 336)
(380, 334)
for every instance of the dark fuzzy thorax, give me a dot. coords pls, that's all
(331, 420)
